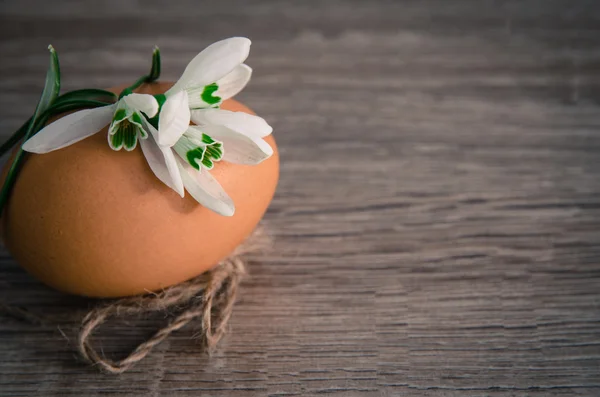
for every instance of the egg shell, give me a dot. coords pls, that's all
(91, 221)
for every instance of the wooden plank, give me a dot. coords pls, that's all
(437, 218)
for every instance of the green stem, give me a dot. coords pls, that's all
(137, 84)
(12, 173)
(16, 137)
(32, 127)
(149, 78)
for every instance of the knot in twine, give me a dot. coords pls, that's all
(209, 296)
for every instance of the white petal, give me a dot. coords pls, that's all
(174, 119)
(70, 129)
(244, 123)
(162, 162)
(143, 102)
(206, 190)
(216, 61)
(234, 82)
(239, 148)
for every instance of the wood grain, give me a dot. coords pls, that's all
(437, 220)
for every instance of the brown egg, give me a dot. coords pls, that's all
(91, 221)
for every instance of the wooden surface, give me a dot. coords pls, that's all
(437, 222)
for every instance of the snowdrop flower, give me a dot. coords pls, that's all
(125, 118)
(216, 74)
(180, 155)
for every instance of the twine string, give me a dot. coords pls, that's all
(199, 294)
(209, 297)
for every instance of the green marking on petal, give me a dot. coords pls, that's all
(136, 118)
(192, 157)
(130, 137)
(197, 151)
(207, 162)
(190, 151)
(120, 114)
(116, 140)
(119, 117)
(125, 135)
(215, 151)
(207, 94)
(207, 139)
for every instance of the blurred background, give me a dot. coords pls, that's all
(437, 217)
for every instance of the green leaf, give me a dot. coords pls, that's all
(91, 94)
(49, 95)
(67, 106)
(52, 86)
(15, 138)
(155, 71)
